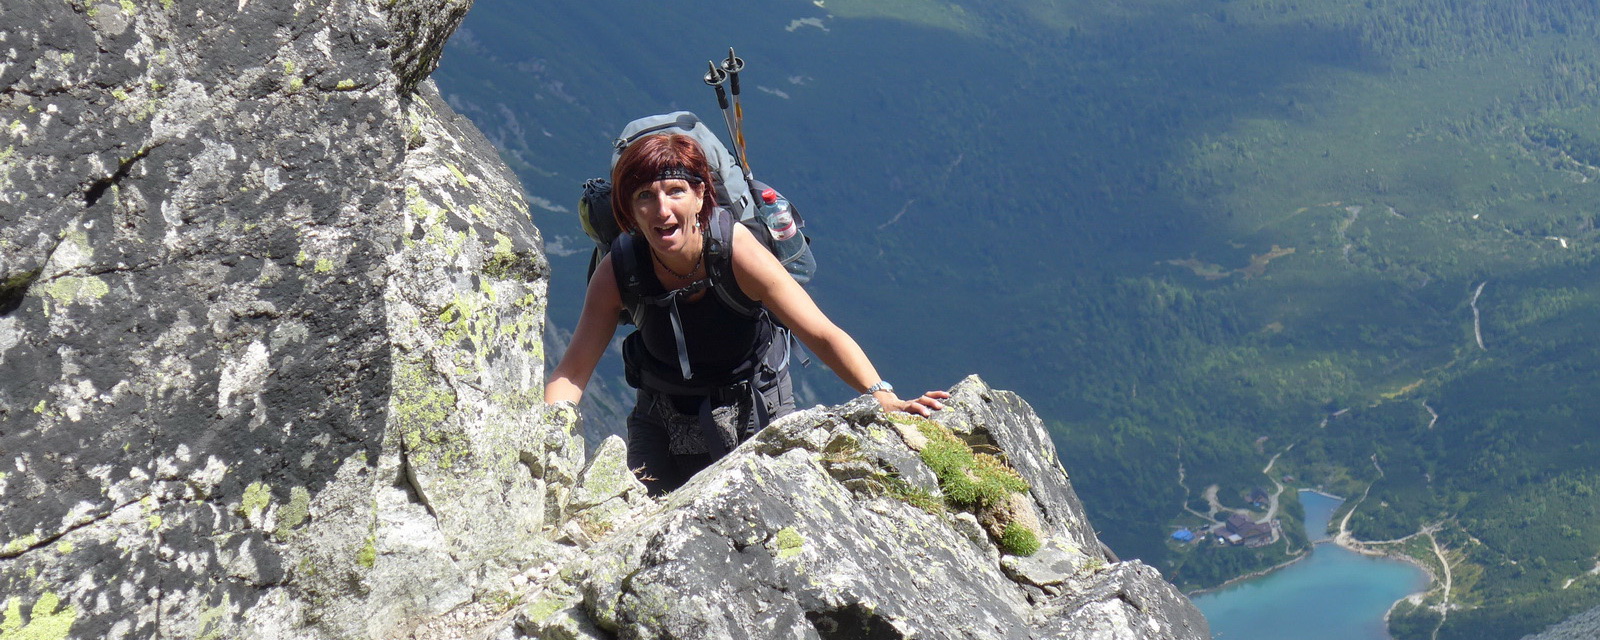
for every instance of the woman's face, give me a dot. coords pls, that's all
(665, 212)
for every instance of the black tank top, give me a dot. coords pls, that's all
(719, 339)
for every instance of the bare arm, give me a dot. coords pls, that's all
(763, 279)
(596, 326)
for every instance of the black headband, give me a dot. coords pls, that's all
(678, 173)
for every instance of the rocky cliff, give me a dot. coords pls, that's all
(270, 367)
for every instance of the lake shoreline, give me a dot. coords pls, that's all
(1252, 575)
(1416, 598)
(1380, 602)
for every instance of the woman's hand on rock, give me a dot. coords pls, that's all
(923, 405)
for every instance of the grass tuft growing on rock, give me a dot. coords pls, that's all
(1018, 540)
(969, 480)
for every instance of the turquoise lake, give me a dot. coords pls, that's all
(1335, 594)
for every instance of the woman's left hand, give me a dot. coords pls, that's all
(923, 405)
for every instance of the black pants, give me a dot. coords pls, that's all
(666, 437)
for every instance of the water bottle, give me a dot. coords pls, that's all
(775, 212)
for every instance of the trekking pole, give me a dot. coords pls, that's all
(715, 77)
(733, 65)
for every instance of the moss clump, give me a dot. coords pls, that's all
(1017, 540)
(969, 480)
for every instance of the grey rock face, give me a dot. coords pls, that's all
(797, 535)
(271, 367)
(269, 325)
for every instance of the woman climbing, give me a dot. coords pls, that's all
(708, 359)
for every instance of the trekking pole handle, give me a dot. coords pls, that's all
(733, 65)
(715, 77)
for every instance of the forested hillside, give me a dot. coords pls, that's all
(1352, 238)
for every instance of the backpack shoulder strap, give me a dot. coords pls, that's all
(625, 267)
(719, 264)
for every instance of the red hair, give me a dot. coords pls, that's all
(646, 159)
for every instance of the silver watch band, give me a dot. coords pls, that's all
(882, 385)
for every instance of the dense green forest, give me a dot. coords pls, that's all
(1354, 237)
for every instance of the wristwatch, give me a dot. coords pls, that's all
(883, 385)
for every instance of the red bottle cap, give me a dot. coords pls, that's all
(769, 196)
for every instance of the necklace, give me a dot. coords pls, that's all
(682, 276)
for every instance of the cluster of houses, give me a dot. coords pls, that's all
(1239, 530)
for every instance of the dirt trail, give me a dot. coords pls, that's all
(1477, 320)
(1272, 510)
(1344, 538)
(1211, 497)
(1444, 604)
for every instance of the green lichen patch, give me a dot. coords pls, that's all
(47, 620)
(17, 546)
(256, 498)
(294, 513)
(1018, 540)
(213, 619)
(71, 289)
(368, 555)
(460, 177)
(420, 406)
(506, 263)
(789, 542)
(541, 609)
